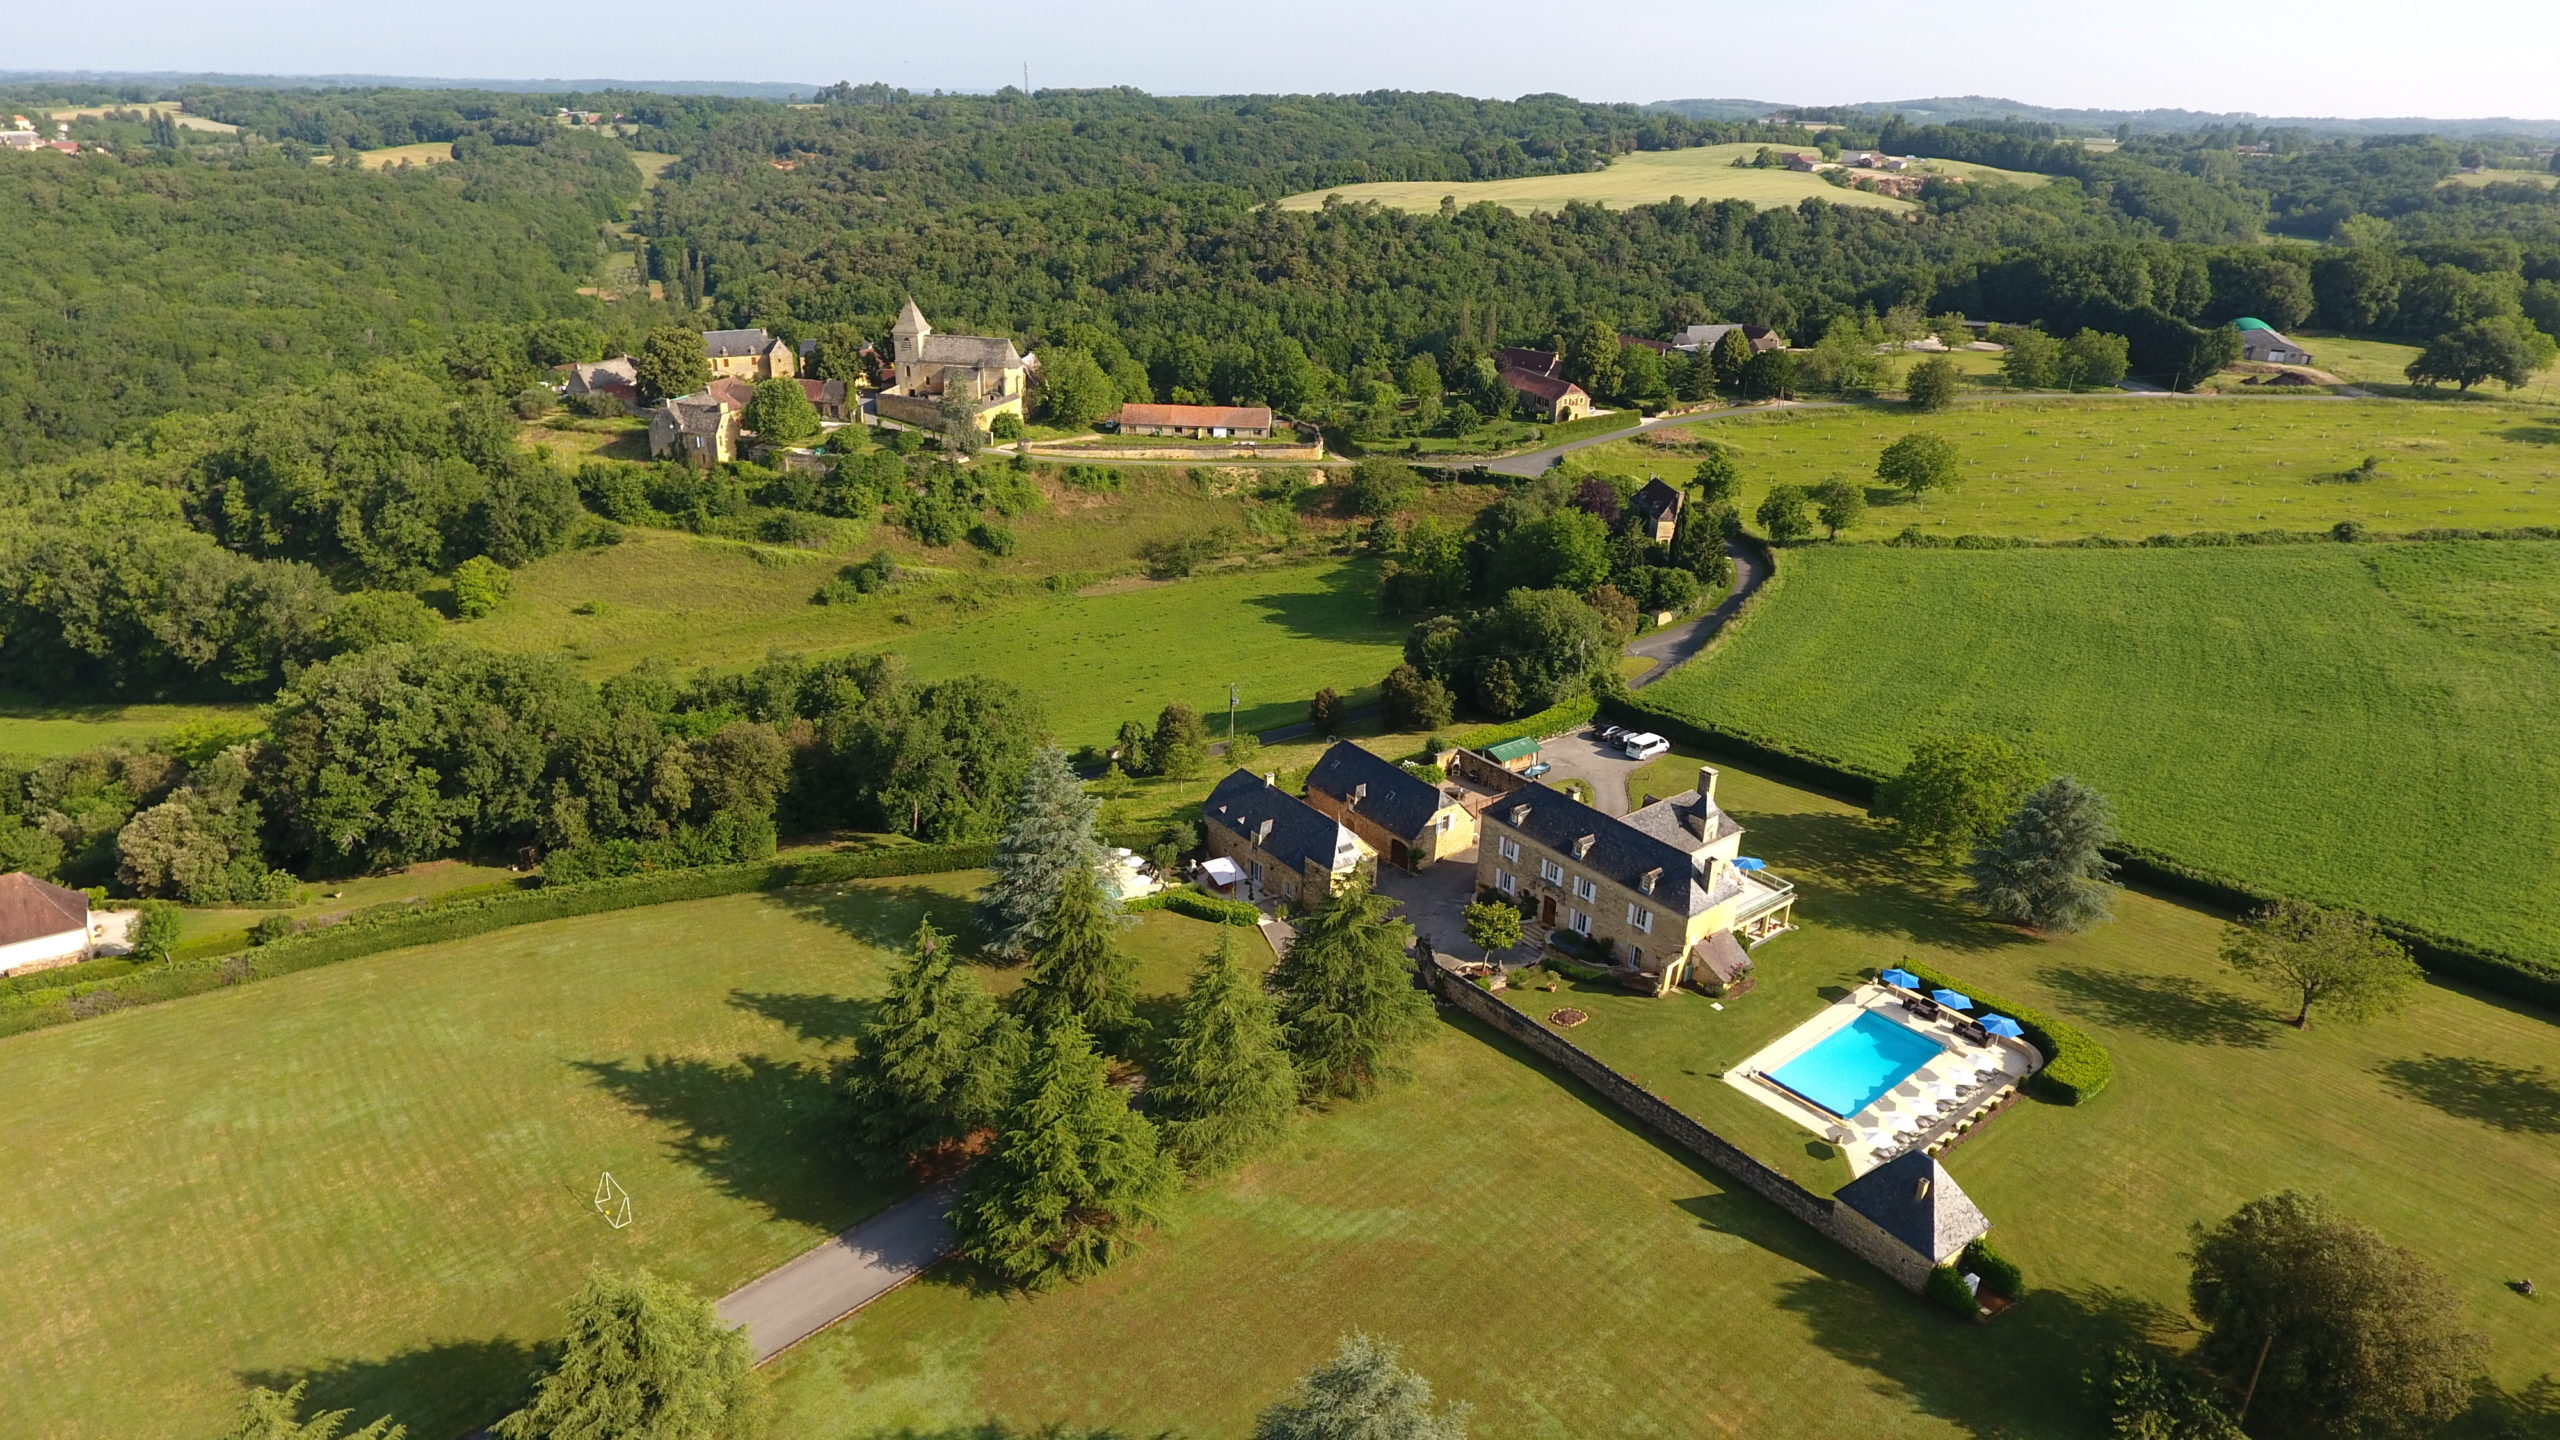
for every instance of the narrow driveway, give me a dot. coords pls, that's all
(1537, 462)
(801, 1297)
(1604, 768)
(1669, 647)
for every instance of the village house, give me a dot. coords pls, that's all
(827, 397)
(42, 925)
(1707, 337)
(1406, 819)
(616, 377)
(1533, 374)
(1664, 893)
(990, 376)
(749, 355)
(700, 429)
(2260, 341)
(1199, 422)
(1806, 163)
(1288, 850)
(1657, 510)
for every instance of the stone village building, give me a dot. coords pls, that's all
(1409, 821)
(1288, 850)
(1658, 891)
(990, 375)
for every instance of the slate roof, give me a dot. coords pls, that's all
(1228, 417)
(1913, 1199)
(1619, 852)
(1401, 802)
(697, 414)
(1656, 499)
(1536, 362)
(1299, 831)
(1670, 822)
(1707, 337)
(31, 909)
(1544, 387)
(976, 352)
(731, 344)
(617, 373)
(1722, 956)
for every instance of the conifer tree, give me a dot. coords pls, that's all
(1077, 965)
(1072, 1171)
(1227, 1086)
(1347, 1000)
(1049, 836)
(935, 1061)
(645, 1359)
(2043, 869)
(1361, 1394)
(273, 1415)
(1731, 356)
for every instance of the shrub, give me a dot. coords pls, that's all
(1092, 479)
(1216, 909)
(993, 538)
(479, 584)
(271, 929)
(1947, 1288)
(2000, 1275)
(1006, 426)
(2076, 1067)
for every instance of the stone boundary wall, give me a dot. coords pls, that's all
(1843, 1226)
(1198, 454)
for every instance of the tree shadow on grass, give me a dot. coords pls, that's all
(998, 1430)
(819, 1019)
(2529, 1413)
(444, 1389)
(2019, 1377)
(2168, 1007)
(2509, 1097)
(1847, 873)
(767, 1131)
(885, 916)
(2533, 434)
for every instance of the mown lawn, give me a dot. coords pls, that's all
(1522, 1245)
(2370, 725)
(2132, 466)
(377, 1175)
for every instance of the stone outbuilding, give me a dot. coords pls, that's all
(1288, 850)
(1408, 820)
(1908, 1216)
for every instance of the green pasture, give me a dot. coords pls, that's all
(2132, 467)
(377, 1175)
(30, 725)
(2370, 725)
(1706, 172)
(1505, 1229)
(2382, 366)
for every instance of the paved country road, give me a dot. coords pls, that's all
(796, 1300)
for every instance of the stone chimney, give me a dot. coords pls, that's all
(1920, 1191)
(1707, 783)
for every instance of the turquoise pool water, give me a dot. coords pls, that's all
(1856, 1063)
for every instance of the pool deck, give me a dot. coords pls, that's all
(1925, 1107)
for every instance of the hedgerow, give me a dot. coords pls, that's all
(2076, 1067)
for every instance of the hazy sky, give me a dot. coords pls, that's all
(2327, 57)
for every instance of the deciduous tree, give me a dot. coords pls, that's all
(1411, 700)
(1932, 383)
(1073, 390)
(1839, 504)
(1073, 1170)
(1227, 1087)
(1180, 747)
(2335, 959)
(671, 362)
(2325, 1329)
(643, 1357)
(2044, 869)
(1920, 462)
(1492, 925)
(1782, 514)
(780, 413)
(1955, 790)
(1347, 997)
(1730, 358)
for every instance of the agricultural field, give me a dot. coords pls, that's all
(170, 108)
(2504, 177)
(2131, 467)
(2370, 725)
(2382, 366)
(1706, 172)
(377, 1175)
(1490, 1190)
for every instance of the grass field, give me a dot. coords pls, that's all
(377, 1174)
(2505, 177)
(2368, 725)
(171, 108)
(1645, 177)
(426, 152)
(32, 726)
(2382, 366)
(1538, 1258)
(2134, 467)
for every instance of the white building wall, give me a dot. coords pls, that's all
(45, 950)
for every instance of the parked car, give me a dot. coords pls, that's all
(1612, 734)
(1534, 771)
(1643, 745)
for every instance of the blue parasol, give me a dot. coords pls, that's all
(1951, 999)
(2002, 1025)
(1747, 863)
(1903, 978)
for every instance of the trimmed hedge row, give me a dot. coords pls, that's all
(2076, 1067)
(2536, 982)
(398, 927)
(1565, 715)
(1215, 909)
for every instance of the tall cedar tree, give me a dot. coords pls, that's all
(1072, 1170)
(2344, 1333)
(935, 1061)
(1347, 998)
(1732, 355)
(271, 1415)
(1049, 837)
(1361, 1394)
(2043, 869)
(1180, 748)
(646, 1359)
(1077, 966)
(1227, 1086)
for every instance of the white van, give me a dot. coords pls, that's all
(1643, 745)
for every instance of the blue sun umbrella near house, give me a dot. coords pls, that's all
(2003, 1026)
(1748, 863)
(1953, 1000)
(1903, 978)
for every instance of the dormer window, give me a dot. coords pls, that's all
(1519, 814)
(1582, 847)
(1650, 879)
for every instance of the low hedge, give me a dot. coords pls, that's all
(2076, 1067)
(2000, 1275)
(1565, 715)
(1217, 910)
(1947, 1288)
(396, 927)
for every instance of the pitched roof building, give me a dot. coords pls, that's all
(1405, 818)
(1913, 1201)
(42, 924)
(1707, 337)
(700, 429)
(1243, 422)
(1288, 850)
(749, 355)
(985, 370)
(1658, 506)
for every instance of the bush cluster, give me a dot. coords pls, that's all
(2076, 1067)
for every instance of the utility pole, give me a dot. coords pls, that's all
(1231, 712)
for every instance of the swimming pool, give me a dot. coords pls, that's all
(1854, 1064)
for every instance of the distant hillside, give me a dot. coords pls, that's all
(169, 81)
(1942, 109)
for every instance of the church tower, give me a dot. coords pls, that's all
(906, 340)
